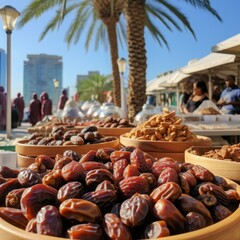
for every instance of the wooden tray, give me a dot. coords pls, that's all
(33, 150)
(116, 132)
(228, 169)
(225, 229)
(164, 146)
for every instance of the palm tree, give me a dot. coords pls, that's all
(95, 85)
(100, 16)
(141, 13)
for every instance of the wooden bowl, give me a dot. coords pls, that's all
(228, 169)
(161, 149)
(27, 153)
(116, 132)
(225, 229)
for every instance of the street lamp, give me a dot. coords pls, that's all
(122, 68)
(56, 85)
(9, 17)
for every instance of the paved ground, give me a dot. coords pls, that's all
(17, 133)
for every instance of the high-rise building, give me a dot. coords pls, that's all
(3, 68)
(39, 72)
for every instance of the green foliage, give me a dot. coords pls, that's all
(95, 85)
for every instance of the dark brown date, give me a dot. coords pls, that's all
(102, 198)
(70, 190)
(13, 216)
(137, 159)
(28, 178)
(105, 185)
(7, 172)
(166, 211)
(32, 226)
(36, 197)
(167, 175)
(96, 176)
(37, 167)
(195, 221)
(220, 212)
(53, 179)
(218, 192)
(202, 173)
(135, 184)
(208, 200)
(114, 227)
(7, 187)
(187, 204)
(156, 230)
(103, 154)
(13, 198)
(46, 161)
(159, 166)
(72, 171)
(49, 221)
(118, 169)
(117, 155)
(88, 157)
(60, 163)
(169, 190)
(134, 210)
(80, 210)
(85, 231)
(72, 154)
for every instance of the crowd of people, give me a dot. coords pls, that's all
(38, 108)
(227, 100)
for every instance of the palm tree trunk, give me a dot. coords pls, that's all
(112, 36)
(135, 16)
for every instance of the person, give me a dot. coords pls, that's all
(19, 103)
(34, 110)
(216, 93)
(15, 116)
(63, 99)
(198, 96)
(229, 101)
(46, 108)
(3, 109)
(184, 96)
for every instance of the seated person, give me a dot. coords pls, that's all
(229, 101)
(198, 96)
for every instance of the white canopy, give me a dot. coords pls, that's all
(230, 45)
(216, 63)
(166, 81)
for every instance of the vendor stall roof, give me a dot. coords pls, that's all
(230, 45)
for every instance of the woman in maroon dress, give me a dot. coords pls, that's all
(63, 99)
(34, 110)
(20, 105)
(46, 105)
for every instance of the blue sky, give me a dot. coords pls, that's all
(183, 47)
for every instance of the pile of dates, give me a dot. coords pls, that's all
(113, 194)
(60, 136)
(111, 122)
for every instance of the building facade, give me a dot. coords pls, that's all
(3, 69)
(38, 75)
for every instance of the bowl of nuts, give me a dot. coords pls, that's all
(164, 135)
(222, 160)
(59, 140)
(117, 194)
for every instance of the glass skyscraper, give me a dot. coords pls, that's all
(3, 69)
(38, 75)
